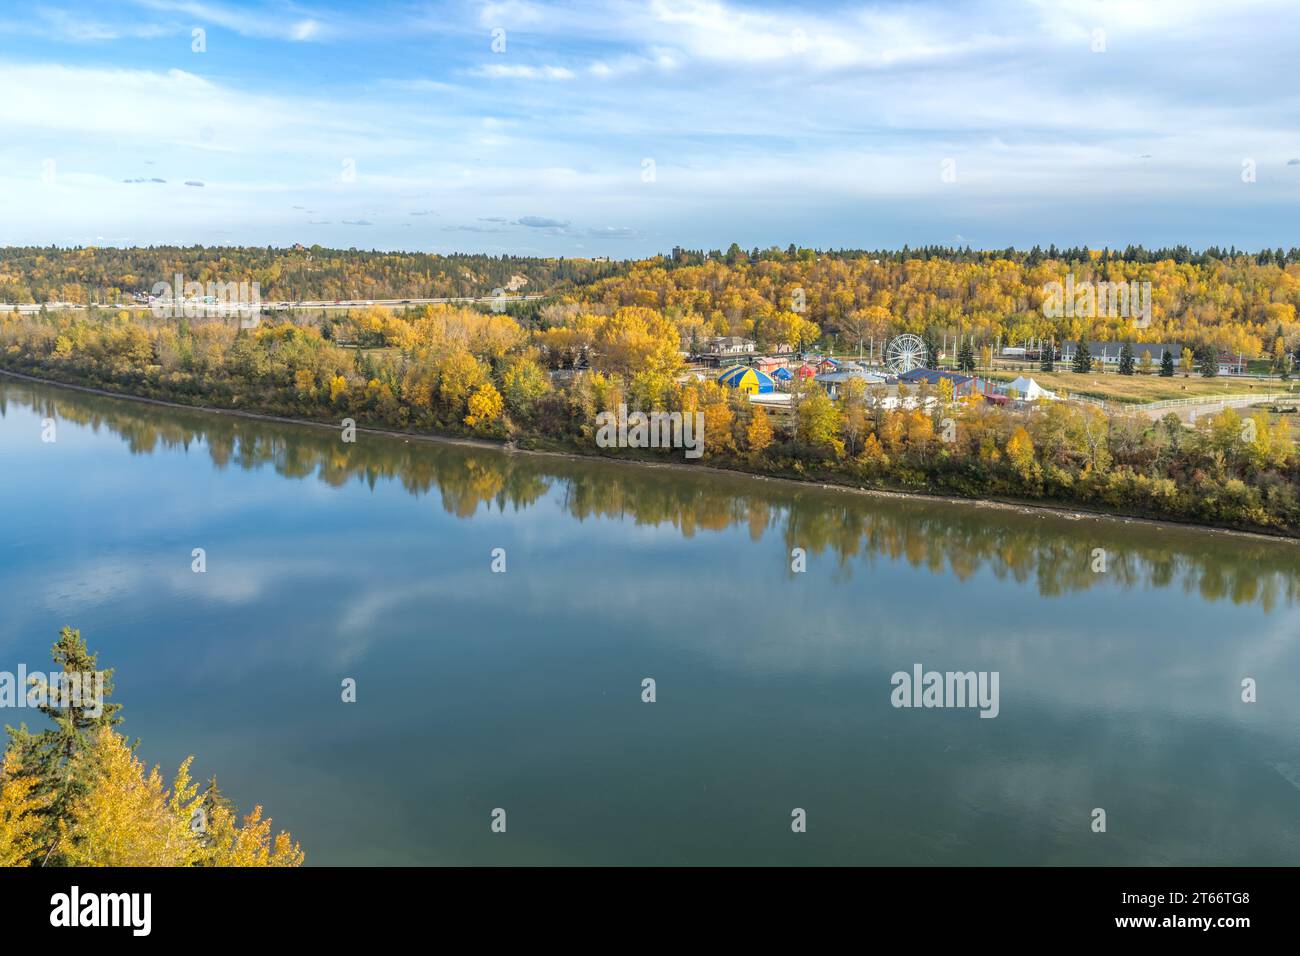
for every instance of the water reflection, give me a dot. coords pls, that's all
(1053, 552)
(523, 690)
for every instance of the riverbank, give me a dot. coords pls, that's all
(825, 483)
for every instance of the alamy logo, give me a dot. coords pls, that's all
(194, 300)
(1093, 300)
(102, 909)
(59, 689)
(922, 688)
(653, 430)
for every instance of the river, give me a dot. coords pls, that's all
(1120, 650)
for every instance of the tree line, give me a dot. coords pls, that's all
(463, 371)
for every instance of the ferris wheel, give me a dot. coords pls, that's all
(904, 353)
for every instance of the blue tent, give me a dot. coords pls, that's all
(783, 374)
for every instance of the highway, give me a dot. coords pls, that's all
(283, 306)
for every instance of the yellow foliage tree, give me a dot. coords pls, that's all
(892, 430)
(872, 452)
(524, 382)
(19, 806)
(461, 374)
(718, 422)
(126, 818)
(820, 423)
(226, 844)
(1020, 452)
(758, 434)
(485, 407)
(635, 339)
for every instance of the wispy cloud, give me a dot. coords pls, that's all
(654, 123)
(522, 72)
(284, 23)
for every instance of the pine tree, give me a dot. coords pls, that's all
(966, 356)
(1082, 357)
(53, 757)
(1126, 360)
(1208, 361)
(78, 795)
(206, 810)
(931, 352)
(1166, 364)
(1048, 358)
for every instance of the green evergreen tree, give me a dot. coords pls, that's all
(931, 352)
(1048, 363)
(1166, 364)
(205, 810)
(1126, 360)
(1207, 361)
(966, 356)
(49, 756)
(1082, 357)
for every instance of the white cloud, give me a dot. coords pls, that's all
(521, 72)
(794, 117)
(244, 21)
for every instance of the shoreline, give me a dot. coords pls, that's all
(1074, 513)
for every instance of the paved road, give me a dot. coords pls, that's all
(284, 306)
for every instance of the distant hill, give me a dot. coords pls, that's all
(112, 275)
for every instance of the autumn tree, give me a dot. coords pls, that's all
(78, 795)
(523, 383)
(820, 424)
(635, 338)
(485, 407)
(126, 817)
(248, 843)
(21, 819)
(758, 433)
(1020, 453)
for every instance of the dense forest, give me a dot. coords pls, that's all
(77, 794)
(1236, 302)
(110, 276)
(542, 384)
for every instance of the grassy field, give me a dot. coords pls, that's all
(1113, 387)
(1291, 418)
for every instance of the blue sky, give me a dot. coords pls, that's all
(624, 128)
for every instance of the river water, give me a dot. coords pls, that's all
(522, 691)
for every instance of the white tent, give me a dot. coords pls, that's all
(1029, 390)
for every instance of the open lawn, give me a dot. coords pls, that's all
(1113, 387)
